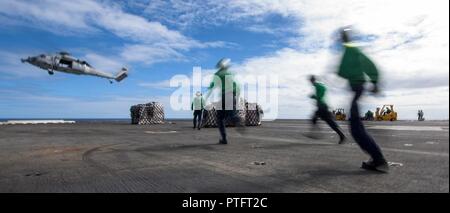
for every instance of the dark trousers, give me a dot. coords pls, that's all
(323, 113)
(358, 131)
(223, 116)
(197, 117)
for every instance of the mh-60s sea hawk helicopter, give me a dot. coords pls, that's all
(64, 62)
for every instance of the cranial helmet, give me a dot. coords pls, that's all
(224, 63)
(346, 34)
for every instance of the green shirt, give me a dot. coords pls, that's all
(227, 82)
(355, 66)
(320, 93)
(198, 103)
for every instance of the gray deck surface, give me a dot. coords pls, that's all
(119, 157)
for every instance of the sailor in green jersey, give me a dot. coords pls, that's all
(356, 68)
(224, 80)
(198, 104)
(322, 109)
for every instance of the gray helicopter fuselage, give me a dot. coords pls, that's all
(65, 63)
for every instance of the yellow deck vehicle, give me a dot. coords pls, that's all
(339, 114)
(386, 113)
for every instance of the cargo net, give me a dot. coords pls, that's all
(250, 115)
(150, 113)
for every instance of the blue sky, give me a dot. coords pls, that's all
(159, 39)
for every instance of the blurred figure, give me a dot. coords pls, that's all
(420, 115)
(198, 104)
(229, 90)
(378, 112)
(322, 109)
(369, 116)
(354, 67)
(388, 111)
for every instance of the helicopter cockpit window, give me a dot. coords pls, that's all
(65, 63)
(85, 63)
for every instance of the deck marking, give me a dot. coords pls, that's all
(440, 154)
(431, 142)
(395, 164)
(160, 132)
(287, 140)
(408, 128)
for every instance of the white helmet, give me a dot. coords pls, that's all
(224, 63)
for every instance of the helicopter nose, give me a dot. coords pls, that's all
(29, 60)
(32, 59)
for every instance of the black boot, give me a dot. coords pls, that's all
(342, 139)
(378, 165)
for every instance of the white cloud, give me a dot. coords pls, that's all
(315, 21)
(258, 28)
(156, 85)
(81, 17)
(400, 88)
(52, 15)
(411, 49)
(410, 45)
(149, 54)
(74, 107)
(12, 67)
(107, 64)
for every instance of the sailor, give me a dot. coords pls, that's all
(322, 109)
(198, 104)
(229, 89)
(354, 67)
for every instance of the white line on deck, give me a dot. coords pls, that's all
(287, 140)
(160, 132)
(440, 154)
(14, 122)
(408, 128)
(399, 128)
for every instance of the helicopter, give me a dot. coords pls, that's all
(64, 62)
